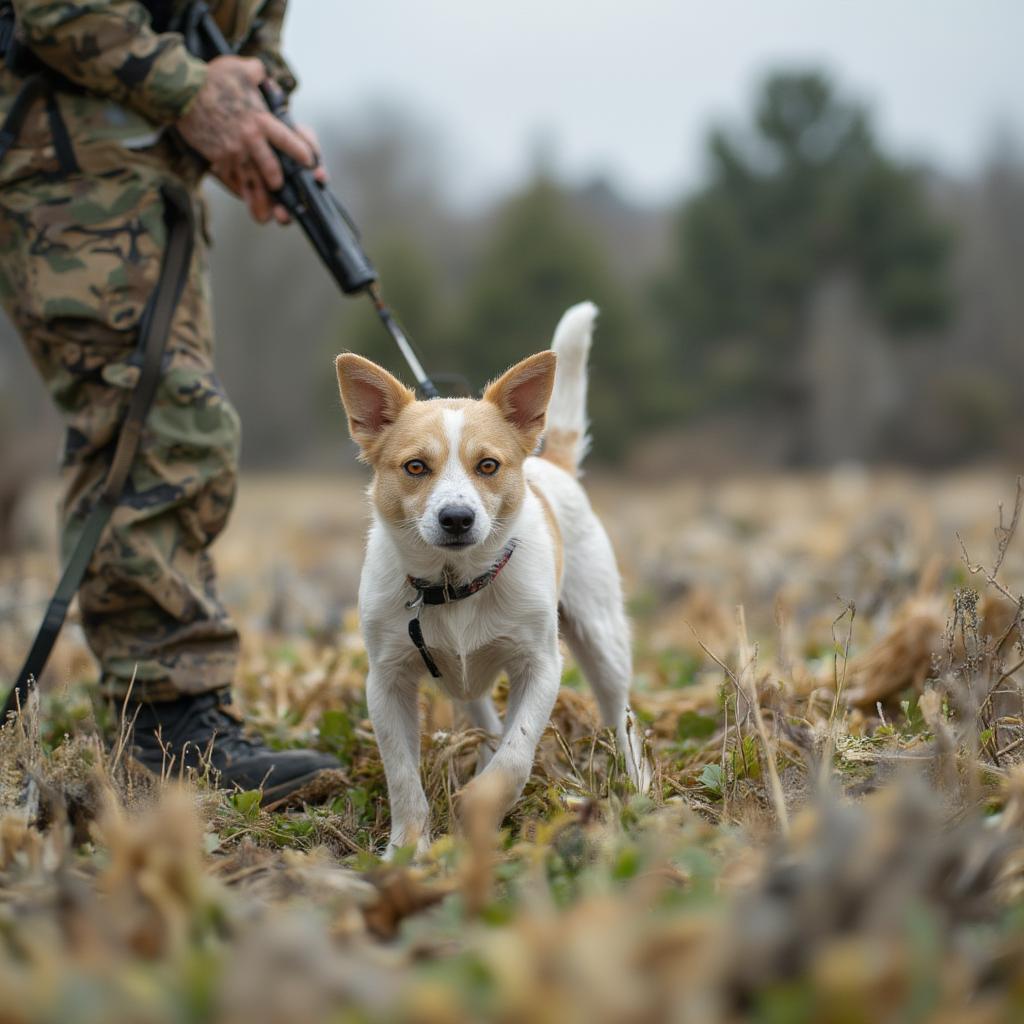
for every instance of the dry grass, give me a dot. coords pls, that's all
(833, 698)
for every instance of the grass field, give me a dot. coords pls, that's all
(833, 701)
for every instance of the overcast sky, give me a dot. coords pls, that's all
(628, 88)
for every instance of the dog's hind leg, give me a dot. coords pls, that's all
(600, 646)
(484, 715)
(595, 627)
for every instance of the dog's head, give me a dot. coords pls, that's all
(450, 471)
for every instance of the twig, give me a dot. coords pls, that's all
(127, 728)
(1009, 672)
(739, 692)
(840, 683)
(1004, 534)
(1016, 623)
(747, 662)
(974, 570)
(1011, 747)
(336, 833)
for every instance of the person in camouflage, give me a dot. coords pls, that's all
(81, 243)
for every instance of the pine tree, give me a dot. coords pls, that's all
(538, 261)
(802, 193)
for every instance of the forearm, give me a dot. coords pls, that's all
(110, 48)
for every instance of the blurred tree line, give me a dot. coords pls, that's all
(815, 300)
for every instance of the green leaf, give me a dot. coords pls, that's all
(694, 726)
(745, 762)
(712, 778)
(337, 734)
(627, 863)
(915, 722)
(292, 831)
(247, 803)
(403, 856)
(679, 668)
(573, 678)
(366, 861)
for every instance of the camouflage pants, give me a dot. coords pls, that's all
(79, 257)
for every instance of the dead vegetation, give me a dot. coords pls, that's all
(836, 832)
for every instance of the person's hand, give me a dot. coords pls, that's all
(230, 125)
(239, 175)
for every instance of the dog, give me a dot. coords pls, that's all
(480, 553)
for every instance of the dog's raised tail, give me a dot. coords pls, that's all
(565, 439)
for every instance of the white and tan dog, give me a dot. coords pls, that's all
(462, 508)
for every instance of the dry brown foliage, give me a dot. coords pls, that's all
(831, 690)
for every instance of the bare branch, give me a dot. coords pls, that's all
(1004, 534)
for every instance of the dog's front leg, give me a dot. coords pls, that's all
(483, 715)
(533, 687)
(392, 696)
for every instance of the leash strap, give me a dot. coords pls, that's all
(445, 593)
(153, 334)
(416, 635)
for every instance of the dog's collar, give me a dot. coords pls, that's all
(447, 591)
(444, 593)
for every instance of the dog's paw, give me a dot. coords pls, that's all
(400, 845)
(641, 773)
(633, 747)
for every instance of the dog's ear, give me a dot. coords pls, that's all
(522, 395)
(371, 396)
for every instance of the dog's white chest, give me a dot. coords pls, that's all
(467, 645)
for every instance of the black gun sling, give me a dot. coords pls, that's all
(154, 329)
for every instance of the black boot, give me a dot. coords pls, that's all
(197, 731)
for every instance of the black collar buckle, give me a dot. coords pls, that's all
(446, 592)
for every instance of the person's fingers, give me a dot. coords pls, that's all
(289, 141)
(309, 137)
(256, 198)
(259, 209)
(228, 175)
(253, 69)
(262, 205)
(266, 162)
(243, 178)
(246, 194)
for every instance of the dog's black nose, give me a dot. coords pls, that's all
(456, 520)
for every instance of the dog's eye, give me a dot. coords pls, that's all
(487, 467)
(416, 467)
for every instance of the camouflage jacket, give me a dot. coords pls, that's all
(134, 80)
